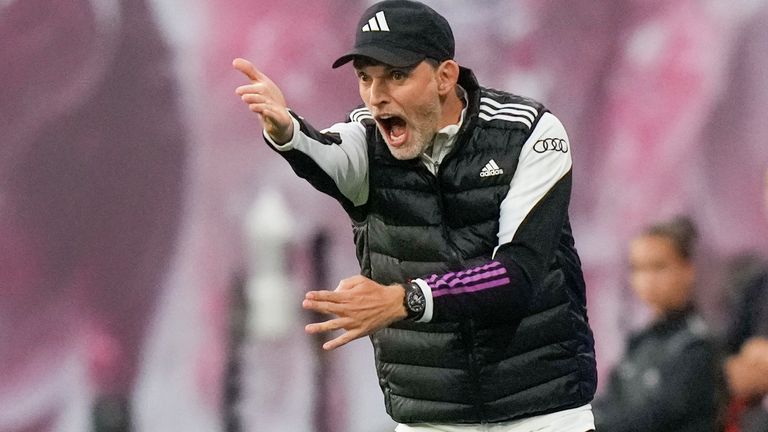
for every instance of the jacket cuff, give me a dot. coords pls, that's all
(429, 306)
(290, 144)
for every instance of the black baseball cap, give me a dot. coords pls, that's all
(401, 33)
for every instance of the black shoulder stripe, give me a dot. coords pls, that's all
(328, 138)
(306, 168)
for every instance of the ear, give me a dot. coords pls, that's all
(447, 77)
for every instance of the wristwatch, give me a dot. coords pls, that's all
(414, 301)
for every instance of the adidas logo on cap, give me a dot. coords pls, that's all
(377, 23)
(491, 169)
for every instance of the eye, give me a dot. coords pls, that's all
(398, 75)
(362, 76)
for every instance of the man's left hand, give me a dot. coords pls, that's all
(361, 307)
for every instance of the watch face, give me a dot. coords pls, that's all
(416, 301)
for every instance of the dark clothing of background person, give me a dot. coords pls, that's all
(669, 380)
(748, 282)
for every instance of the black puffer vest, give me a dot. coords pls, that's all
(416, 224)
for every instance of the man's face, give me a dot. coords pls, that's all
(405, 104)
(659, 275)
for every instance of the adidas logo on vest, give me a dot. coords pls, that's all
(491, 169)
(377, 23)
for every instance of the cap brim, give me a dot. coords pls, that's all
(390, 56)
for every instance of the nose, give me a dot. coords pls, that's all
(378, 92)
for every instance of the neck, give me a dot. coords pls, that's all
(452, 107)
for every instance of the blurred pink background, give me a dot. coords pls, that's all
(128, 167)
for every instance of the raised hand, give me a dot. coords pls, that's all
(264, 98)
(361, 306)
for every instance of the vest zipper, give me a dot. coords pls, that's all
(454, 256)
(474, 368)
(461, 139)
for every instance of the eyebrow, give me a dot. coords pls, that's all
(388, 68)
(407, 69)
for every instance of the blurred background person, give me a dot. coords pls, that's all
(668, 378)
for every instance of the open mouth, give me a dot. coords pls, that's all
(393, 128)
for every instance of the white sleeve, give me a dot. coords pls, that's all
(345, 163)
(544, 159)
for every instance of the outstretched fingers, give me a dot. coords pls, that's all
(326, 302)
(344, 339)
(347, 324)
(361, 306)
(264, 98)
(259, 104)
(330, 325)
(248, 69)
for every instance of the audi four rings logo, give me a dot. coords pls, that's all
(554, 144)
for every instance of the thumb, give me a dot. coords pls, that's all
(248, 69)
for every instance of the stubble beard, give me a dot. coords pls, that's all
(422, 134)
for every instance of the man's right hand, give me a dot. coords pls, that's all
(265, 99)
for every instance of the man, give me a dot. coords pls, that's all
(669, 378)
(471, 288)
